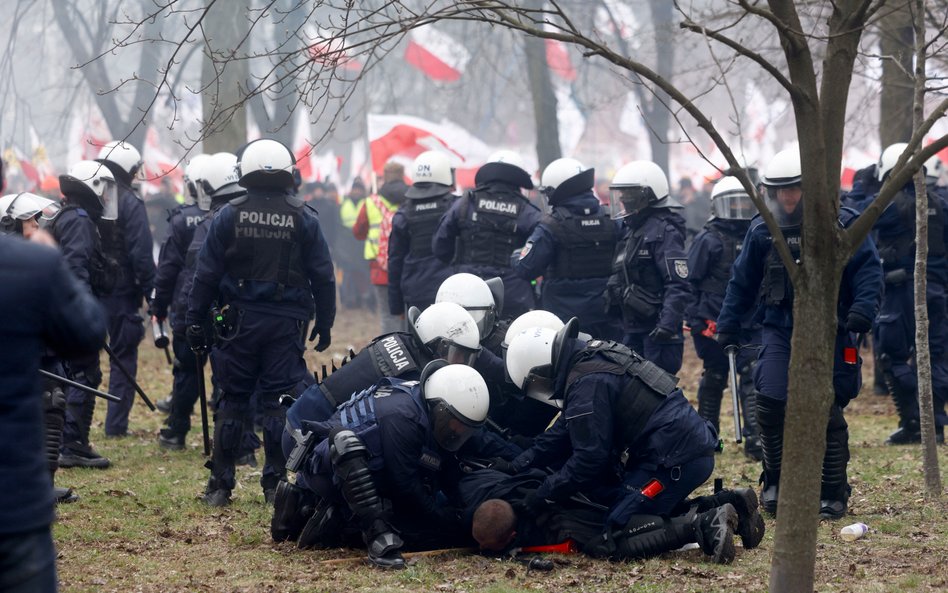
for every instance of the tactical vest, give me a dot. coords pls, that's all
(585, 244)
(488, 233)
(192, 217)
(104, 270)
(896, 250)
(112, 233)
(640, 285)
(266, 247)
(776, 286)
(646, 389)
(423, 217)
(391, 355)
(716, 280)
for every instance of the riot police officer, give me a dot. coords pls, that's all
(758, 270)
(413, 270)
(710, 259)
(128, 240)
(572, 249)
(895, 236)
(649, 283)
(481, 230)
(265, 259)
(90, 195)
(483, 300)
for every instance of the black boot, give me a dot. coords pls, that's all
(770, 418)
(80, 453)
(710, 393)
(292, 507)
(906, 404)
(750, 525)
(170, 440)
(645, 536)
(323, 527)
(228, 429)
(216, 494)
(752, 448)
(714, 530)
(349, 458)
(834, 487)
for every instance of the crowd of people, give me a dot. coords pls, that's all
(521, 391)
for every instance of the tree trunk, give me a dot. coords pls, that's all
(657, 115)
(225, 120)
(896, 47)
(544, 102)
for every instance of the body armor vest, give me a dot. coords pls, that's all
(104, 270)
(585, 244)
(391, 355)
(488, 233)
(716, 280)
(646, 388)
(776, 286)
(113, 241)
(896, 250)
(266, 247)
(423, 217)
(636, 284)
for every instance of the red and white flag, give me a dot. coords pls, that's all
(557, 58)
(436, 54)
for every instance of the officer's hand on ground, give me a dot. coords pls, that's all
(728, 339)
(660, 335)
(858, 323)
(196, 337)
(502, 465)
(325, 339)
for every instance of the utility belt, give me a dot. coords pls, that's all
(224, 322)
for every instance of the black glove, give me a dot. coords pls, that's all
(728, 339)
(197, 338)
(858, 323)
(660, 335)
(502, 465)
(534, 505)
(325, 339)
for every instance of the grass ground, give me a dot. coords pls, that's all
(139, 526)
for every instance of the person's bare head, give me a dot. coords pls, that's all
(393, 172)
(494, 525)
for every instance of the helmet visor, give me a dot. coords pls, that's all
(201, 197)
(451, 429)
(538, 385)
(786, 204)
(628, 200)
(109, 200)
(26, 206)
(484, 317)
(733, 206)
(452, 352)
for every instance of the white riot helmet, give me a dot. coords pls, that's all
(16, 208)
(93, 186)
(219, 177)
(934, 169)
(192, 180)
(266, 163)
(783, 171)
(564, 178)
(532, 360)
(535, 318)
(888, 159)
(475, 295)
(432, 175)
(506, 166)
(124, 156)
(730, 201)
(458, 401)
(636, 186)
(447, 331)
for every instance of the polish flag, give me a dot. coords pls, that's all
(436, 54)
(557, 58)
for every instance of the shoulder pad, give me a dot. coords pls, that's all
(847, 215)
(309, 206)
(239, 200)
(82, 212)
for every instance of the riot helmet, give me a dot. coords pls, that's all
(730, 201)
(636, 186)
(92, 186)
(535, 318)
(888, 159)
(782, 179)
(432, 176)
(266, 163)
(17, 209)
(122, 159)
(447, 331)
(475, 295)
(192, 181)
(458, 402)
(219, 178)
(505, 166)
(564, 178)
(533, 358)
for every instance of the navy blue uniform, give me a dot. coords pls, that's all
(572, 249)
(128, 240)
(41, 304)
(481, 231)
(265, 259)
(649, 284)
(414, 273)
(674, 445)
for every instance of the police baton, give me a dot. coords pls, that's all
(86, 388)
(161, 337)
(735, 397)
(128, 375)
(202, 396)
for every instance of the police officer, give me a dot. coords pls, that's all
(42, 305)
(710, 259)
(895, 236)
(613, 401)
(413, 270)
(481, 230)
(572, 249)
(265, 259)
(128, 240)
(211, 183)
(378, 460)
(483, 300)
(649, 283)
(758, 270)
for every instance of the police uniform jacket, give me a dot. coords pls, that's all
(169, 279)
(129, 241)
(316, 288)
(710, 260)
(860, 289)
(78, 240)
(895, 234)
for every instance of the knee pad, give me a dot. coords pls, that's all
(770, 412)
(715, 380)
(344, 446)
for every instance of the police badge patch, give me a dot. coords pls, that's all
(526, 249)
(681, 268)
